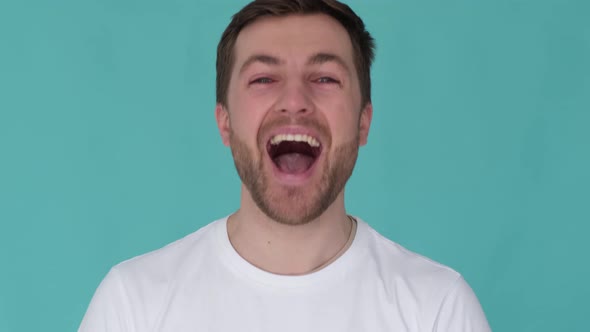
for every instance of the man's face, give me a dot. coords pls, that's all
(293, 118)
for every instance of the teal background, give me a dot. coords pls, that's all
(478, 155)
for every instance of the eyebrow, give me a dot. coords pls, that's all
(321, 58)
(262, 58)
(316, 59)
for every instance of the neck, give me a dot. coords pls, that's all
(289, 249)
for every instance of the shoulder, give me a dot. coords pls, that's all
(438, 294)
(397, 262)
(132, 294)
(165, 262)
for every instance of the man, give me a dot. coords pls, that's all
(293, 104)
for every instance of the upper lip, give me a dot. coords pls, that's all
(294, 130)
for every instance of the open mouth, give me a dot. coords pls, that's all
(293, 154)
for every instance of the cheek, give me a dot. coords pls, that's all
(345, 132)
(246, 117)
(343, 121)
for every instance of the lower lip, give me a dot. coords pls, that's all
(293, 179)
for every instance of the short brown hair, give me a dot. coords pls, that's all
(362, 42)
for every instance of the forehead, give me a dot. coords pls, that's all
(294, 37)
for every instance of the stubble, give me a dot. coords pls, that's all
(294, 205)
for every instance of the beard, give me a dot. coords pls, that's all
(294, 205)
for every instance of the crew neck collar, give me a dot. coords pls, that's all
(339, 268)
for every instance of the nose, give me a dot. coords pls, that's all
(294, 99)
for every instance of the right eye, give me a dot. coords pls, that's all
(262, 80)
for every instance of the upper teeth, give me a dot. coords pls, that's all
(295, 138)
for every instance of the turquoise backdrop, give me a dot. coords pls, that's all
(478, 155)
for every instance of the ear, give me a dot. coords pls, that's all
(223, 123)
(365, 123)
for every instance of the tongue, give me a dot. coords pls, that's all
(293, 163)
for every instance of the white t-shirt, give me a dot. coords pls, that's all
(200, 283)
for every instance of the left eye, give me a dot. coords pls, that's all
(326, 79)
